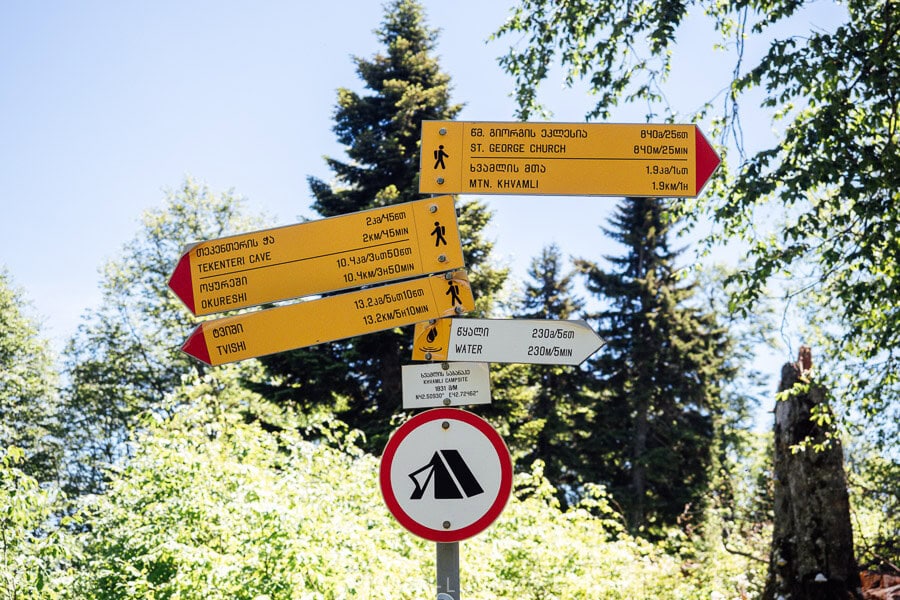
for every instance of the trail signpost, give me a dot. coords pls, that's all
(262, 332)
(348, 251)
(516, 158)
(585, 159)
(529, 341)
(445, 474)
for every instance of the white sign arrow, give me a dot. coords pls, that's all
(530, 341)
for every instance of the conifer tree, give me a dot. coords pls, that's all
(657, 375)
(559, 415)
(380, 131)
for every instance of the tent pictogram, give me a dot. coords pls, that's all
(451, 475)
(445, 474)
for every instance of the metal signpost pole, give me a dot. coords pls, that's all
(447, 568)
(457, 494)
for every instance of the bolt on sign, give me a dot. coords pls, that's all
(583, 159)
(348, 251)
(311, 322)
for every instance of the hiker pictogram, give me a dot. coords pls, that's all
(438, 233)
(439, 156)
(453, 292)
(451, 476)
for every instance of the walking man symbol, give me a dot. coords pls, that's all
(453, 292)
(438, 233)
(439, 156)
(451, 476)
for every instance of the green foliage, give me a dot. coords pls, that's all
(213, 507)
(28, 397)
(485, 278)
(380, 130)
(817, 211)
(658, 376)
(35, 551)
(875, 503)
(836, 173)
(622, 48)
(548, 294)
(125, 357)
(559, 416)
(740, 505)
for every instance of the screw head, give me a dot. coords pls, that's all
(442, 131)
(445, 425)
(432, 208)
(446, 524)
(440, 180)
(446, 401)
(442, 258)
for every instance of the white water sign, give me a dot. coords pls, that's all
(528, 341)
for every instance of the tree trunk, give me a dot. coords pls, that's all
(638, 514)
(812, 542)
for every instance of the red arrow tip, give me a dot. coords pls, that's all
(180, 282)
(195, 346)
(707, 160)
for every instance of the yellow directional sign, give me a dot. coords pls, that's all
(253, 334)
(362, 248)
(585, 159)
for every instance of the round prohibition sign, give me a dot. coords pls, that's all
(445, 475)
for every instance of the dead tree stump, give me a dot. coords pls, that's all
(812, 542)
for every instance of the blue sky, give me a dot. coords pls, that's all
(104, 105)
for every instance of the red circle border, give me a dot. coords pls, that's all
(390, 499)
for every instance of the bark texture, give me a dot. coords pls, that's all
(812, 544)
